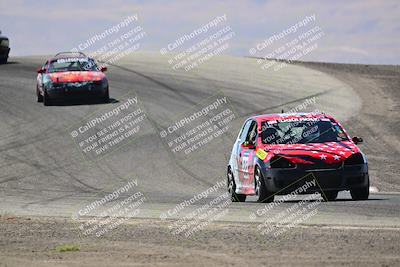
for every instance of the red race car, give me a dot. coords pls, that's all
(71, 75)
(277, 153)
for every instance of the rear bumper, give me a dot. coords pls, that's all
(284, 181)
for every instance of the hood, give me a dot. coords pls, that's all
(330, 153)
(76, 76)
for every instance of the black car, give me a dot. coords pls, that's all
(4, 49)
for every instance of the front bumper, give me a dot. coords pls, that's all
(284, 181)
(77, 90)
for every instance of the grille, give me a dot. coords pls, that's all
(321, 166)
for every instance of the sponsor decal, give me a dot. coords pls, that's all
(261, 154)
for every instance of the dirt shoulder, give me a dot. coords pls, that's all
(378, 121)
(32, 241)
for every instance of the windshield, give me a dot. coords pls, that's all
(73, 64)
(302, 132)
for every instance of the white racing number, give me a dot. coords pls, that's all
(245, 166)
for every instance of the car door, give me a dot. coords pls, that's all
(235, 150)
(246, 154)
(40, 78)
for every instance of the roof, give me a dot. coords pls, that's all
(69, 54)
(280, 116)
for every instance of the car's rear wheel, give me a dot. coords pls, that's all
(361, 193)
(39, 96)
(264, 196)
(232, 188)
(46, 99)
(329, 195)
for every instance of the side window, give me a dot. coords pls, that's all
(245, 130)
(45, 66)
(252, 134)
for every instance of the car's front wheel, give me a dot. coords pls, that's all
(361, 193)
(106, 97)
(232, 188)
(39, 96)
(264, 196)
(46, 99)
(329, 195)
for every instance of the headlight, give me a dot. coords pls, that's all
(279, 162)
(355, 159)
(5, 43)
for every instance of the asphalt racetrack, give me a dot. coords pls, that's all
(43, 175)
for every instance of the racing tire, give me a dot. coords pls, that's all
(232, 188)
(106, 97)
(361, 193)
(46, 99)
(264, 196)
(39, 96)
(329, 195)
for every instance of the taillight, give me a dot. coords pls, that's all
(355, 159)
(280, 162)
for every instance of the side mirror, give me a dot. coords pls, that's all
(103, 68)
(248, 145)
(40, 70)
(357, 140)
